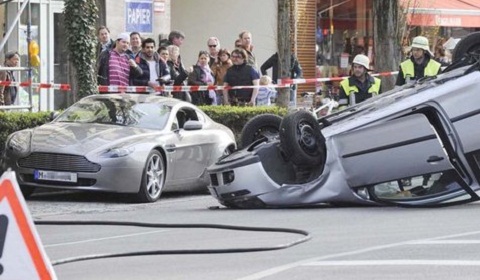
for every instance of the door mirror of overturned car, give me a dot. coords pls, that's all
(192, 125)
(54, 115)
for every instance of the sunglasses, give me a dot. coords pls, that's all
(212, 46)
(236, 56)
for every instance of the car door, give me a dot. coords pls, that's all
(193, 147)
(399, 148)
(403, 161)
(461, 107)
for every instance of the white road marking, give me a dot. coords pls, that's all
(394, 263)
(101, 239)
(278, 269)
(446, 242)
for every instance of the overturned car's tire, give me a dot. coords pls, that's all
(469, 44)
(302, 140)
(260, 126)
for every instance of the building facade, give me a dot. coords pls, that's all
(150, 17)
(327, 34)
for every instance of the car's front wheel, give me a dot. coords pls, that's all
(260, 126)
(302, 140)
(153, 178)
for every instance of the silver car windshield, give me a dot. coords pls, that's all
(117, 112)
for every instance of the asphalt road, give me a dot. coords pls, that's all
(346, 243)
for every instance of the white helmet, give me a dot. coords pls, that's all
(362, 60)
(421, 42)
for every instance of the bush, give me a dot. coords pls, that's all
(236, 117)
(15, 121)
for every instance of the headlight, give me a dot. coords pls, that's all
(118, 152)
(19, 142)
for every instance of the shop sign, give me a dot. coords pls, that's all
(159, 6)
(138, 15)
(448, 21)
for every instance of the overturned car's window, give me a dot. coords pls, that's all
(445, 184)
(117, 112)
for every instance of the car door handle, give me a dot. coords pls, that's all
(434, 159)
(170, 148)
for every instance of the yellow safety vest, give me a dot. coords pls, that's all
(373, 89)
(430, 70)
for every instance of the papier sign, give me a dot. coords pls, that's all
(138, 16)
(22, 255)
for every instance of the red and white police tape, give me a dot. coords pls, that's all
(141, 89)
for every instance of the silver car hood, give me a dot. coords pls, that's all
(75, 138)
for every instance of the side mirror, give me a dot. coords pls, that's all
(54, 115)
(192, 125)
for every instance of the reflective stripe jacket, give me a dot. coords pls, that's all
(362, 91)
(413, 71)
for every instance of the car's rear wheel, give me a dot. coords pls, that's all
(260, 126)
(27, 191)
(469, 44)
(302, 140)
(153, 178)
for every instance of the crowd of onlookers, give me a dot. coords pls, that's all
(131, 60)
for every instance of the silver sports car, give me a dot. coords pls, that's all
(417, 145)
(140, 144)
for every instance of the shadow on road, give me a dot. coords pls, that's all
(89, 196)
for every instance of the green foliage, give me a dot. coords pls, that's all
(80, 19)
(15, 121)
(236, 117)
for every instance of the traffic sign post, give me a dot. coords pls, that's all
(22, 255)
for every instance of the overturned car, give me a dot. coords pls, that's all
(416, 145)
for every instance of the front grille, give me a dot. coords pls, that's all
(58, 162)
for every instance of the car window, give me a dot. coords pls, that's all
(418, 187)
(117, 112)
(179, 120)
(201, 117)
(183, 115)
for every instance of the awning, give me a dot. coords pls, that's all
(454, 13)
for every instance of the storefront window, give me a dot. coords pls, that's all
(344, 29)
(23, 51)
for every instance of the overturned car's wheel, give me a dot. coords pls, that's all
(469, 44)
(153, 178)
(260, 126)
(301, 139)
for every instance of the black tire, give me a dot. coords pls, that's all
(153, 178)
(27, 191)
(301, 139)
(260, 126)
(466, 45)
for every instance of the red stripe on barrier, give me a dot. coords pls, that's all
(141, 89)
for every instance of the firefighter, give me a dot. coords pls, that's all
(360, 86)
(420, 64)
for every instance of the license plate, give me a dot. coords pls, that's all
(55, 176)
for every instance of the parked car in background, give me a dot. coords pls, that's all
(416, 145)
(122, 143)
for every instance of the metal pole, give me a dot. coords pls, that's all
(14, 23)
(29, 62)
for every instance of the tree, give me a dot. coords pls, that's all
(387, 30)
(80, 18)
(284, 48)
